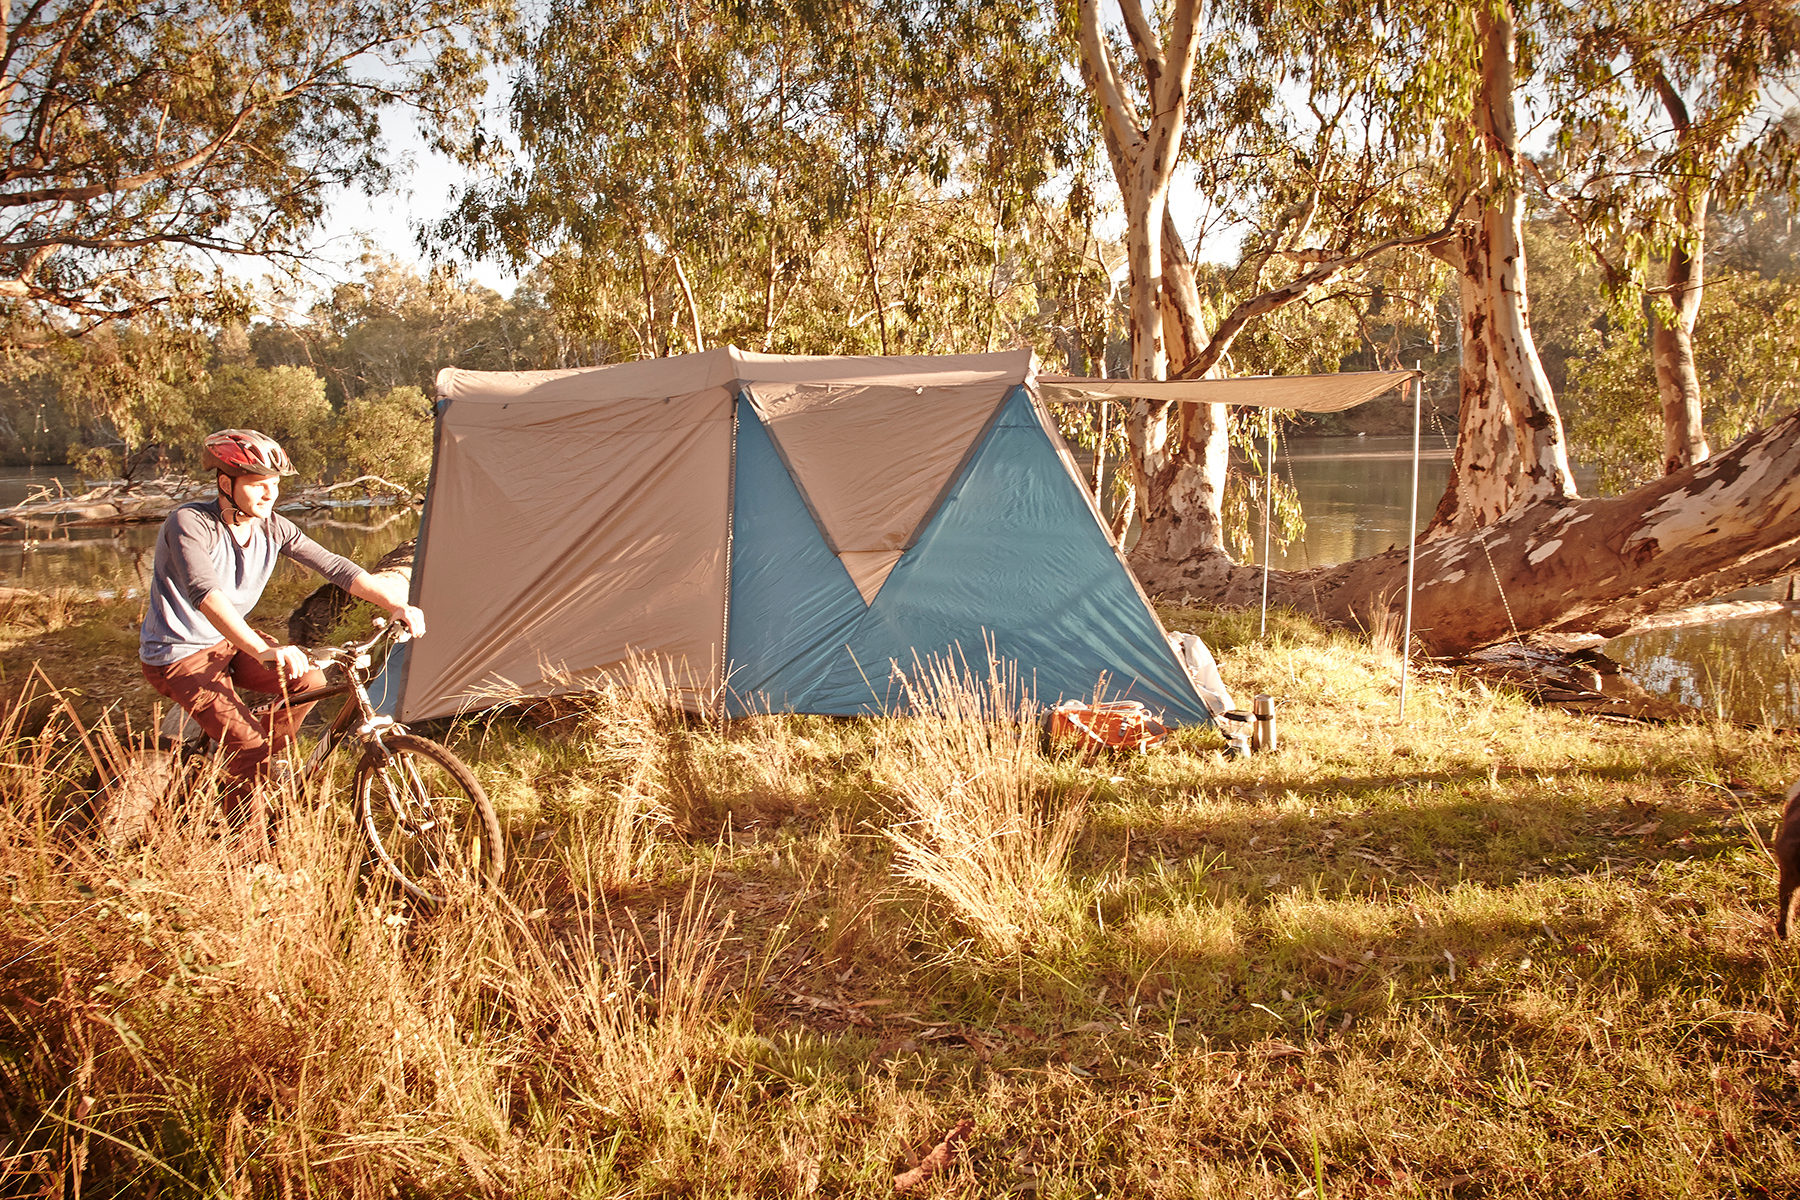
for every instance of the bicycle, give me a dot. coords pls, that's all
(425, 815)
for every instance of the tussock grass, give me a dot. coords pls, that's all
(24, 612)
(983, 827)
(1495, 951)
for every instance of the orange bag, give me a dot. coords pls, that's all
(1114, 724)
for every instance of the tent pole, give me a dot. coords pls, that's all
(1268, 495)
(1412, 540)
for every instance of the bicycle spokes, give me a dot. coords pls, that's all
(429, 821)
(414, 811)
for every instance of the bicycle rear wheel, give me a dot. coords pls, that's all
(119, 803)
(427, 818)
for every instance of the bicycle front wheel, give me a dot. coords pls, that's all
(427, 818)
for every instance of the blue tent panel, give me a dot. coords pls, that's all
(1014, 555)
(792, 605)
(384, 688)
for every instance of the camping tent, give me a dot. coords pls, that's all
(774, 533)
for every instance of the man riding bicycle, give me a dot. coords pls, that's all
(213, 559)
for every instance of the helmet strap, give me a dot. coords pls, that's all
(227, 490)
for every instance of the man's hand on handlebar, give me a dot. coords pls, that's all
(410, 619)
(291, 661)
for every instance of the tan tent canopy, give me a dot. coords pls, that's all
(778, 530)
(578, 518)
(1300, 393)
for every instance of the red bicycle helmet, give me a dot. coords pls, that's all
(238, 452)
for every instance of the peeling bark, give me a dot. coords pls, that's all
(1677, 374)
(1182, 500)
(1185, 488)
(1564, 566)
(1143, 153)
(1672, 345)
(1543, 454)
(1484, 480)
(1187, 336)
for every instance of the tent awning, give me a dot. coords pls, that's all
(1303, 393)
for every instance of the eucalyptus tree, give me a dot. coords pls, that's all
(395, 327)
(128, 390)
(799, 176)
(1672, 108)
(1441, 83)
(1302, 135)
(142, 142)
(1745, 346)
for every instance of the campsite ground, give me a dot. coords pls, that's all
(1492, 951)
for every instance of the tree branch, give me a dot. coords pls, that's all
(1120, 127)
(1267, 302)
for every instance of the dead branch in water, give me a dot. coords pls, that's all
(123, 503)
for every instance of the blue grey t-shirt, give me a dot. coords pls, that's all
(196, 554)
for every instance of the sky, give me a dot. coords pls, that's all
(423, 182)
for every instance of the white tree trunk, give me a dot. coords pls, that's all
(1185, 490)
(1672, 345)
(1543, 454)
(1484, 481)
(1143, 150)
(1144, 202)
(1672, 348)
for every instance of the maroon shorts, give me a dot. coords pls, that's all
(206, 683)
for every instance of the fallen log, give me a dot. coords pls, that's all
(1578, 566)
(377, 491)
(1682, 618)
(311, 622)
(115, 502)
(1583, 681)
(142, 503)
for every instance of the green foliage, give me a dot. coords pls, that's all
(398, 327)
(1303, 338)
(791, 178)
(1761, 238)
(137, 396)
(1615, 421)
(1242, 511)
(287, 403)
(1099, 429)
(129, 387)
(389, 435)
(1656, 102)
(1746, 345)
(137, 133)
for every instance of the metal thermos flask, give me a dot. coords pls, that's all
(1263, 709)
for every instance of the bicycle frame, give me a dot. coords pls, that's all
(351, 660)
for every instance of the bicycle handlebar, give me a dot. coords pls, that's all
(348, 654)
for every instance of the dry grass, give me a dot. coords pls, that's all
(182, 1020)
(983, 827)
(1496, 951)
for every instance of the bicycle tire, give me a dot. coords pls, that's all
(427, 818)
(118, 805)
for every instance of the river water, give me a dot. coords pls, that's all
(112, 560)
(1354, 492)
